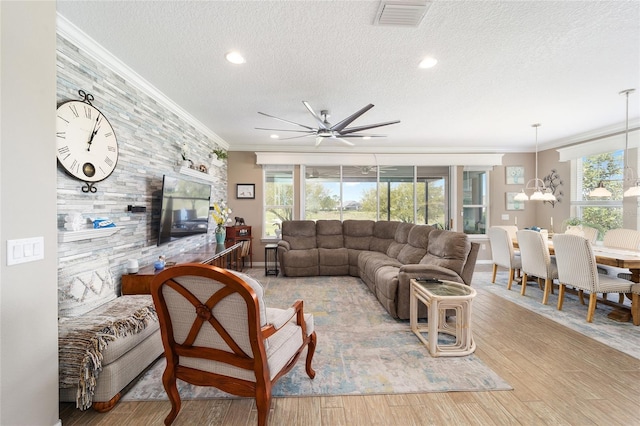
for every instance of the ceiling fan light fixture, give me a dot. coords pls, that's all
(274, 136)
(235, 58)
(428, 62)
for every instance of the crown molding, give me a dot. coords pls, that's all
(97, 52)
(345, 159)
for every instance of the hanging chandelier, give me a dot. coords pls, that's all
(629, 176)
(540, 191)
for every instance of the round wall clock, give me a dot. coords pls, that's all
(87, 147)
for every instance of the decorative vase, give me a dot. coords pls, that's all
(221, 235)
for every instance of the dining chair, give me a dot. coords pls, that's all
(502, 252)
(624, 239)
(217, 331)
(588, 232)
(536, 261)
(577, 268)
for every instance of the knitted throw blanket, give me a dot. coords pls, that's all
(81, 341)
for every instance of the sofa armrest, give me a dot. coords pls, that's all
(284, 245)
(408, 272)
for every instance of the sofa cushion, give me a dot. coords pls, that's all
(333, 261)
(400, 239)
(300, 234)
(416, 246)
(329, 234)
(448, 249)
(357, 233)
(383, 235)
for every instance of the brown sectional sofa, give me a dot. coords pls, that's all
(386, 255)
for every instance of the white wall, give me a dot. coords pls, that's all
(28, 292)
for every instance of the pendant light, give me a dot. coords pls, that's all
(629, 175)
(600, 190)
(540, 190)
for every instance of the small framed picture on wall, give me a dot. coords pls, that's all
(245, 191)
(514, 204)
(515, 175)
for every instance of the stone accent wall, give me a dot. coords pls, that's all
(150, 137)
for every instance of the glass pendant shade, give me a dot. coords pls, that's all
(600, 191)
(521, 196)
(633, 191)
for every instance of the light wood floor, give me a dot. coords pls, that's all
(559, 377)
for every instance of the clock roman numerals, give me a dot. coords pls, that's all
(74, 110)
(108, 134)
(108, 161)
(87, 112)
(61, 135)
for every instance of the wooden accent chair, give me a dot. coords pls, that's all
(502, 251)
(577, 268)
(217, 331)
(536, 261)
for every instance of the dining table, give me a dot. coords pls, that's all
(619, 258)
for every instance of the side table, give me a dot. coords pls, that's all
(271, 259)
(438, 296)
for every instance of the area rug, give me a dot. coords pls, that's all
(623, 336)
(360, 350)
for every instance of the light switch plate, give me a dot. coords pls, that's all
(25, 250)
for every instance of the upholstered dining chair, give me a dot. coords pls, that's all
(217, 331)
(623, 239)
(577, 268)
(588, 232)
(536, 261)
(502, 251)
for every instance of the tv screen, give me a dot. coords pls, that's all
(185, 209)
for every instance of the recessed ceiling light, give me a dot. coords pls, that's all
(235, 58)
(274, 137)
(428, 62)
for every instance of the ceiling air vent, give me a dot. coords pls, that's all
(401, 13)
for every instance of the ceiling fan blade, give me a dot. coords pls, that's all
(286, 121)
(286, 130)
(370, 126)
(319, 140)
(344, 123)
(362, 136)
(316, 116)
(346, 142)
(297, 137)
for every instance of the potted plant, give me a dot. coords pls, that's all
(220, 153)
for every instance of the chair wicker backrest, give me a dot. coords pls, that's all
(534, 254)
(576, 261)
(628, 239)
(502, 251)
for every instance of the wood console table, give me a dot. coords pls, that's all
(212, 254)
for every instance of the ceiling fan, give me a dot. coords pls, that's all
(338, 131)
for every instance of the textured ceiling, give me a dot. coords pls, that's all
(503, 65)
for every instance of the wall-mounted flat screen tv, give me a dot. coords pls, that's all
(185, 209)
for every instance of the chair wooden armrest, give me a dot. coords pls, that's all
(284, 317)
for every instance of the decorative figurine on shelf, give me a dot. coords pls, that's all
(239, 221)
(221, 215)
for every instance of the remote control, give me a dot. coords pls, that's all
(428, 280)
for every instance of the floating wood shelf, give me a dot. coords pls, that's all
(86, 234)
(196, 173)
